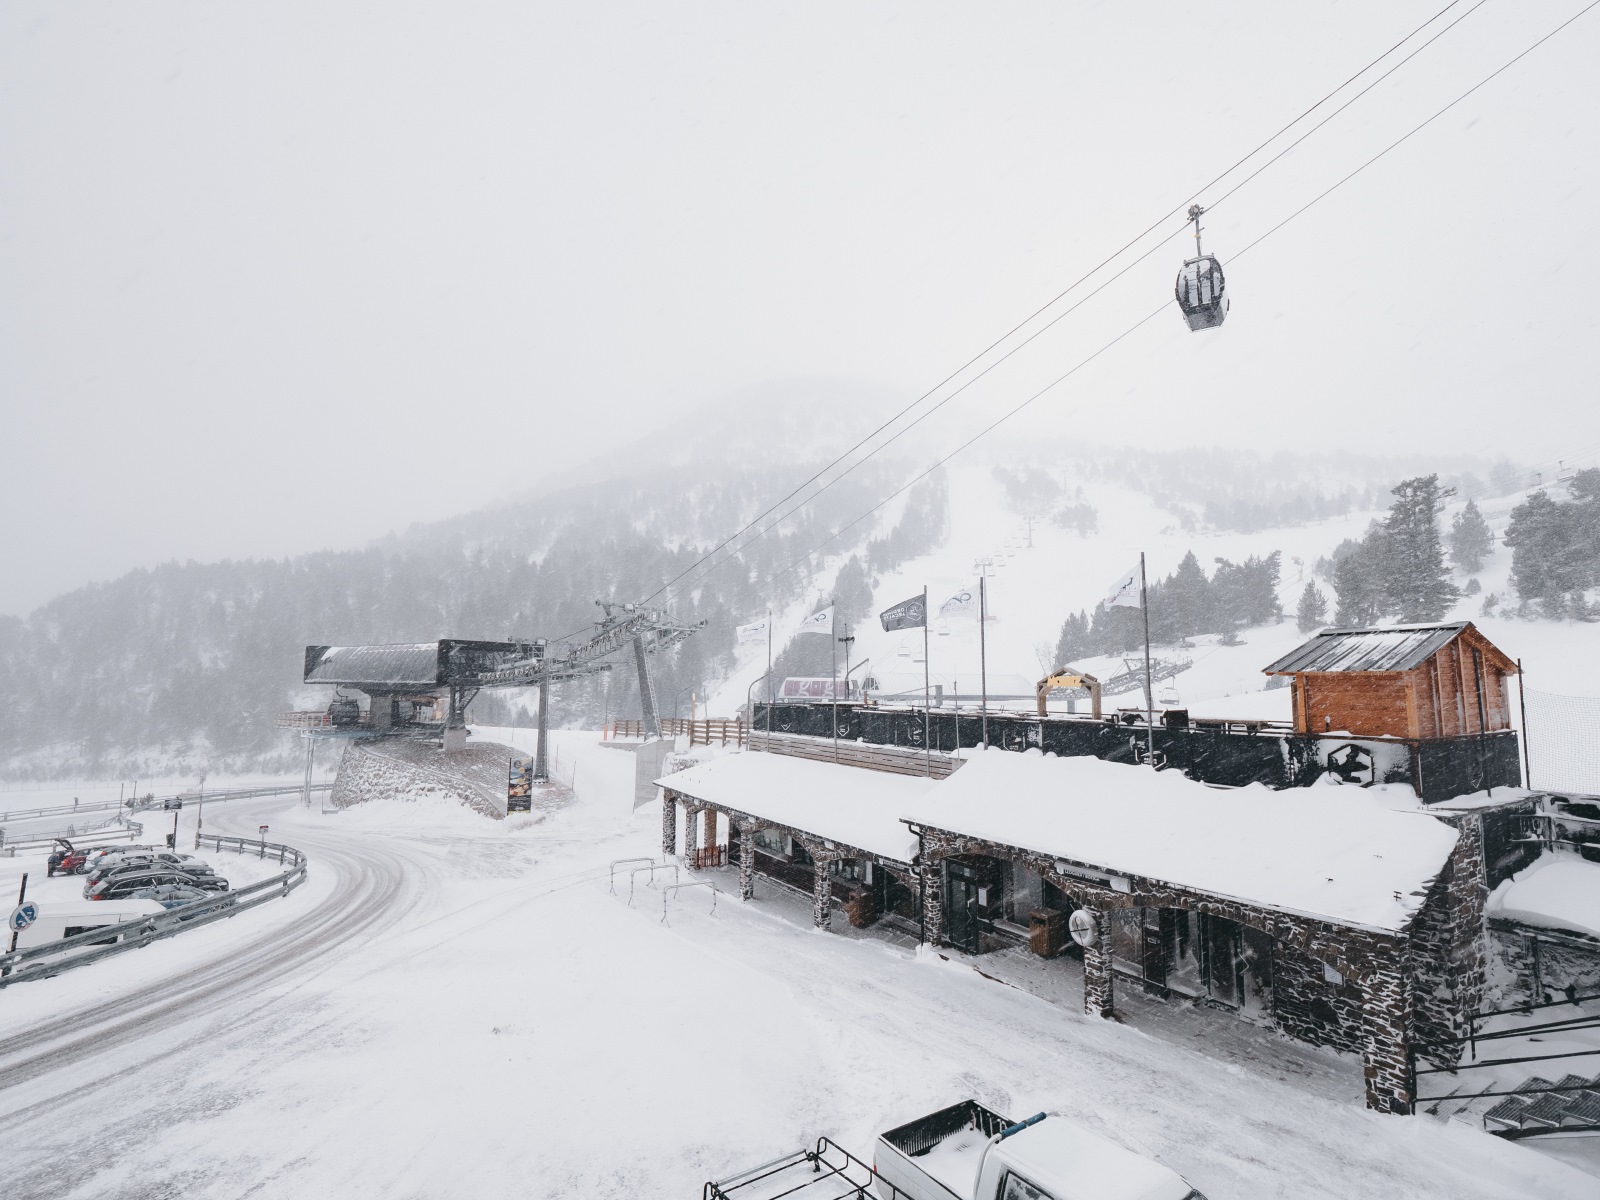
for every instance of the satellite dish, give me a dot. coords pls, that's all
(1084, 928)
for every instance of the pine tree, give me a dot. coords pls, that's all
(1470, 539)
(1538, 536)
(1312, 611)
(1416, 581)
(1358, 581)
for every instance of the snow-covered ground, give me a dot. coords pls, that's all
(456, 1006)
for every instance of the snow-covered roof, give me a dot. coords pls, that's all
(1399, 648)
(1334, 853)
(847, 805)
(1555, 893)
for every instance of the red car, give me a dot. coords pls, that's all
(65, 860)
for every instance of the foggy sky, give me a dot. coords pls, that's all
(280, 277)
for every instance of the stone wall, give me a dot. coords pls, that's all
(405, 769)
(1559, 962)
(1309, 1006)
(1376, 1018)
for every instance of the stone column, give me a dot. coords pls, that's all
(747, 860)
(932, 887)
(1386, 1061)
(1097, 989)
(821, 893)
(690, 834)
(669, 822)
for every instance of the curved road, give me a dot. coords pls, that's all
(46, 1066)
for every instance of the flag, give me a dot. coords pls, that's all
(964, 601)
(818, 622)
(908, 614)
(1125, 591)
(754, 632)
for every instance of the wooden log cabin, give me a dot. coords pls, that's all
(1405, 681)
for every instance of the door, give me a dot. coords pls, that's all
(961, 908)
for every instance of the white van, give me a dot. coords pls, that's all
(65, 918)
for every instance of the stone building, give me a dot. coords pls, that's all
(1342, 916)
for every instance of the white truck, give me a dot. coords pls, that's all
(964, 1152)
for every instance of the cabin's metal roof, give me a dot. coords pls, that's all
(414, 664)
(1397, 648)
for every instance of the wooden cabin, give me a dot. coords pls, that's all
(1409, 681)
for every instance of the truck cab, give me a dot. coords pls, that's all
(968, 1152)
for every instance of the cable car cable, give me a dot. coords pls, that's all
(1150, 316)
(1056, 299)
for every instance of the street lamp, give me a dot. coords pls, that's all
(200, 817)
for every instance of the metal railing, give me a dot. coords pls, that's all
(151, 800)
(83, 839)
(41, 962)
(666, 894)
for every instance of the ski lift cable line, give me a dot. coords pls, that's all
(1075, 284)
(1324, 194)
(1287, 149)
(1059, 317)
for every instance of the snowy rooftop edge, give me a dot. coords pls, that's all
(848, 805)
(1332, 853)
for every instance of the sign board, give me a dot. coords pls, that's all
(519, 786)
(263, 831)
(1084, 928)
(23, 915)
(171, 803)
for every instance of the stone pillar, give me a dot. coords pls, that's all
(709, 832)
(690, 834)
(747, 860)
(932, 887)
(1386, 1061)
(1097, 989)
(669, 822)
(821, 892)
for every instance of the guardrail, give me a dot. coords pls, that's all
(151, 800)
(41, 962)
(82, 839)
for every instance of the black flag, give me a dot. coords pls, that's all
(908, 614)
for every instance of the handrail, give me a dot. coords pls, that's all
(653, 868)
(674, 887)
(617, 862)
(18, 966)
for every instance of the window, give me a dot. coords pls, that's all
(1018, 1188)
(773, 842)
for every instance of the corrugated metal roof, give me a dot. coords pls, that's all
(414, 664)
(1399, 648)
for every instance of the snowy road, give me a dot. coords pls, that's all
(456, 1007)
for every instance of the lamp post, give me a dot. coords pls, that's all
(200, 815)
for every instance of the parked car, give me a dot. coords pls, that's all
(126, 883)
(105, 854)
(967, 1152)
(153, 860)
(65, 860)
(172, 895)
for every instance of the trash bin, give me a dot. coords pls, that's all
(1047, 931)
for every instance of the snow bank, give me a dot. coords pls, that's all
(1557, 893)
(850, 805)
(1330, 852)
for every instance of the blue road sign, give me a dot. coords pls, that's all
(23, 915)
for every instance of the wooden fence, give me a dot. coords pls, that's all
(709, 731)
(896, 760)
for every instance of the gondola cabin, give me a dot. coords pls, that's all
(1406, 681)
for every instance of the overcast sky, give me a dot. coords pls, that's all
(278, 277)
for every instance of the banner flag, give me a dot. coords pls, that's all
(754, 632)
(818, 622)
(963, 602)
(908, 614)
(1125, 591)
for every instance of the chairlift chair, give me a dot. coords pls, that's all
(1201, 291)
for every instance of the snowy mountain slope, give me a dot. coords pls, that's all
(1033, 588)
